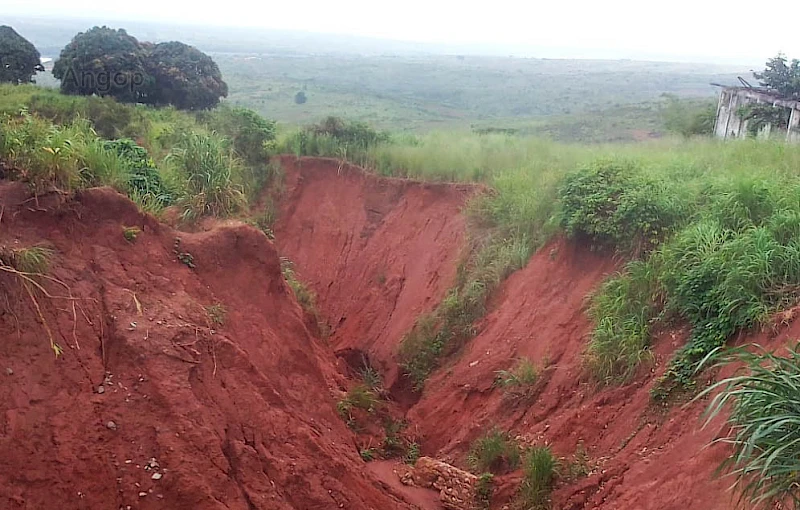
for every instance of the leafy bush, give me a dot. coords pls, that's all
(764, 417)
(493, 452)
(614, 204)
(539, 468)
(144, 181)
(208, 173)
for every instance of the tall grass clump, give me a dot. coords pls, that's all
(764, 405)
(539, 469)
(623, 309)
(253, 139)
(208, 175)
(48, 156)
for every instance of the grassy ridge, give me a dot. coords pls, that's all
(205, 163)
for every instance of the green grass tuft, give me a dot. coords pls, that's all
(493, 452)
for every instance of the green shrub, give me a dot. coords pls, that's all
(764, 405)
(493, 452)
(335, 137)
(539, 469)
(357, 397)
(613, 204)
(144, 179)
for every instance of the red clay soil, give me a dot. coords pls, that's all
(236, 416)
(642, 458)
(348, 232)
(378, 252)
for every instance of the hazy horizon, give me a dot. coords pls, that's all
(622, 29)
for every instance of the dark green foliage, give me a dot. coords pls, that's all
(300, 98)
(104, 62)
(764, 405)
(252, 138)
(108, 62)
(496, 451)
(782, 76)
(613, 204)
(145, 180)
(19, 59)
(735, 263)
(184, 77)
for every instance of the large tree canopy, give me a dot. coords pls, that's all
(109, 62)
(781, 76)
(105, 62)
(19, 59)
(184, 77)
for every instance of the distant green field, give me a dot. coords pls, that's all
(564, 99)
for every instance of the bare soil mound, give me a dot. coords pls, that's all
(158, 402)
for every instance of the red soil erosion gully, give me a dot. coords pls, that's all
(154, 406)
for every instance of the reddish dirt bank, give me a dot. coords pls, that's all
(345, 229)
(235, 416)
(378, 252)
(643, 458)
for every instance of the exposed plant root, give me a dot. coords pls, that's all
(29, 283)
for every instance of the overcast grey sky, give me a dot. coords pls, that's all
(687, 28)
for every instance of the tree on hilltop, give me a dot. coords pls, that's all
(105, 62)
(184, 77)
(781, 76)
(19, 59)
(109, 62)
